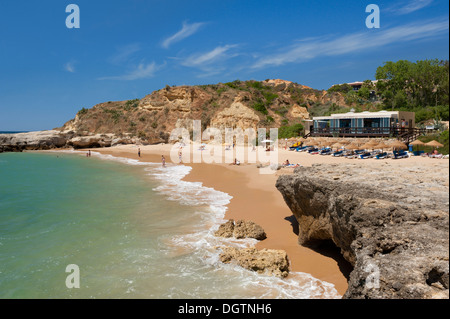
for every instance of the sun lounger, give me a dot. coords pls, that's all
(326, 151)
(338, 153)
(365, 155)
(301, 149)
(400, 154)
(382, 155)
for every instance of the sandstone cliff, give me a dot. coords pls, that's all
(391, 224)
(238, 104)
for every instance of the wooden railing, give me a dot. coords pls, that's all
(405, 134)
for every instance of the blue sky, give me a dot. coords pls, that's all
(126, 49)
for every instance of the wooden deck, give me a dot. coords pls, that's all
(407, 135)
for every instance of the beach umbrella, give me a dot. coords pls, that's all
(310, 143)
(355, 141)
(352, 146)
(434, 143)
(399, 145)
(368, 146)
(417, 142)
(337, 145)
(382, 146)
(373, 142)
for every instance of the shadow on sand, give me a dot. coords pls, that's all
(326, 248)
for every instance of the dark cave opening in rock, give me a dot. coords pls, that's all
(329, 249)
(326, 248)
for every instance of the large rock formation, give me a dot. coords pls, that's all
(241, 229)
(40, 140)
(391, 224)
(264, 261)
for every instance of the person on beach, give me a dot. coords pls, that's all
(89, 153)
(236, 162)
(180, 155)
(139, 152)
(163, 159)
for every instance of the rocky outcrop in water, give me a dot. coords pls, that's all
(264, 261)
(391, 224)
(46, 140)
(241, 229)
(40, 140)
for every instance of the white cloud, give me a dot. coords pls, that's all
(212, 62)
(219, 54)
(124, 53)
(186, 31)
(142, 71)
(69, 67)
(410, 6)
(307, 50)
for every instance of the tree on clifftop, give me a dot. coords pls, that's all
(422, 83)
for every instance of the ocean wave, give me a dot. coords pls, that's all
(202, 244)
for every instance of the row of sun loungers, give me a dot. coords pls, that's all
(361, 154)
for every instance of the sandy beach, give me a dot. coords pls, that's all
(255, 198)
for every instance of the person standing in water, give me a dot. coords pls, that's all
(163, 161)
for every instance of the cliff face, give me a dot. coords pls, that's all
(237, 104)
(390, 223)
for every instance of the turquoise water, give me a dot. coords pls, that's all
(134, 230)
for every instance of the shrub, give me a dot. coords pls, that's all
(260, 107)
(290, 131)
(82, 112)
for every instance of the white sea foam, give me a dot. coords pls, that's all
(201, 244)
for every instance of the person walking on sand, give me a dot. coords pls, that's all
(139, 152)
(180, 155)
(163, 161)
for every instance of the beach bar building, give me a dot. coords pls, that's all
(365, 124)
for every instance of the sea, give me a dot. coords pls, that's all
(130, 229)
